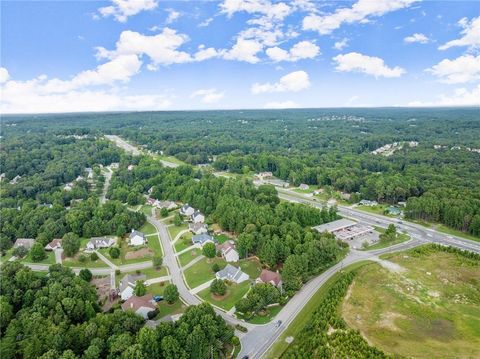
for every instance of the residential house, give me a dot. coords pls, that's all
(140, 305)
(197, 217)
(366, 202)
(89, 172)
(197, 228)
(227, 249)
(68, 186)
(186, 210)
(136, 238)
(130, 167)
(263, 175)
(402, 203)
(202, 239)
(166, 204)
(100, 242)
(150, 190)
(26, 243)
(304, 186)
(394, 211)
(232, 274)
(79, 178)
(152, 201)
(268, 276)
(55, 244)
(127, 284)
(15, 179)
(345, 196)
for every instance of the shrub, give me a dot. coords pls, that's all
(241, 328)
(235, 341)
(171, 293)
(20, 252)
(157, 262)
(82, 258)
(37, 253)
(209, 250)
(140, 288)
(152, 314)
(114, 252)
(93, 257)
(216, 267)
(218, 287)
(164, 212)
(85, 274)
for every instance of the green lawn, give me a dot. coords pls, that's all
(174, 230)
(149, 273)
(183, 242)
(50, 259)
(444, 229)
(154, 244)
(165, 309)
(251, 267)
(6, 257)
(304, 315)
(222, 238)
(148, 228)
(402, 237)
(157, 288)
(146, 210)
(124, 249)
(234, 293)
(265, 317)
(169, 159)
(188, 256)
(202, 272)
(74, 262)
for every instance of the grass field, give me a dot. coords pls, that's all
(74, 262)
(154, 244)
(183, 242)
(149, 273)
(222, 238)
(148, 228)
(402, 237)
(202, 272)
(174, 230)
(266, 315)
(146, 210)
(431, 309)
(188, 256)
(251, 267)
(234, 293)
(49, 259)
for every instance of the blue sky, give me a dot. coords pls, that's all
(153, 55)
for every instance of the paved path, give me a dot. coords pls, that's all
(112, 280)
(181, 233)
(58, 255)
(151, 234)
(192, 262)
(108, 176)
(193, 246)
(158, 280)
(202, 287)
(106, 260)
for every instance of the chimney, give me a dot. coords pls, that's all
(131, 305)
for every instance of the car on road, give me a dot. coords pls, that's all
(157, 298)
(278, 323)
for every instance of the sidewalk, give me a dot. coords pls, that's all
(201, 287)
(192, 262)
(105, 259)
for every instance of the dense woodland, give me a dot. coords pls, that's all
(57, 316)
(319, 147)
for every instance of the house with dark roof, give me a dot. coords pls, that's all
(140, 305)
(202, 239)
(100, 242)
(232, 274)
(136, 238)
(186, 210)
(268, 276)
(55, 244)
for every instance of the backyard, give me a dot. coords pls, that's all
(234, 293)
(202, 272)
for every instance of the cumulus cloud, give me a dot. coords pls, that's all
(370, 65)
(208, 95)
(4, 76)
(460, 97)
(281, 104)
(272, 10)
(122, 9)
(340, 45)
(292, 82)
(470, 32)
(173, 15)
(301, 50)
(206, 22)
(359, 12)
(243, 50)
(463, 69)
(417, 37)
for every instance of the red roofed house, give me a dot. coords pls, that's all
(267, 276)
(140, 305)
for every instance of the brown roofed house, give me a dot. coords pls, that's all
(140, 305)
(55, 244)
(267, 276)
(27, 243)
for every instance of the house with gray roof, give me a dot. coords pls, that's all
(197, 228)
(127, 284)
(232, 274)
(186, 210)
(100, 242)
(202, 239)
(136, 238)
(26, 243)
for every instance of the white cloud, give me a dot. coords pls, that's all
(33, 96)
(340, 45)
(243, 50)
(299, 51)
(460, 97)
(173, 15)
(206, 22)
(281, 104)
(359, 12)
(4, 76)
(162, 49)
(375, 66)
(208, 95)
(273, 11)
(470, 32)
(204, 53)
(292, 82)
(463, 69)
(122, 9)
(417, 37)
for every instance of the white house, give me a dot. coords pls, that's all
(228, 251)
(304, 186)
(127, 285)
(100, 242)
(232, 274)
(136, 238)
(15, 179)
(197, 217)
(166, 204)
(68, 186)
(26, 243)
(186, 210)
